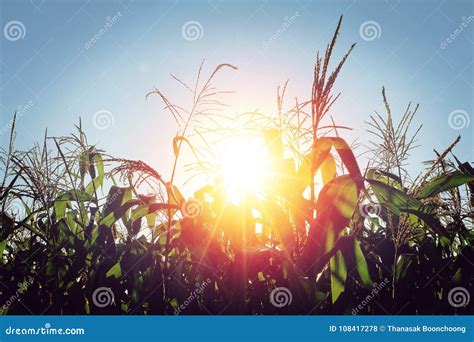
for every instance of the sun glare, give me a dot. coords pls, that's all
(243, 167)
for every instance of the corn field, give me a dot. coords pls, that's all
(83, 232)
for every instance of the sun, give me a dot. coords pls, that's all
(243, 167)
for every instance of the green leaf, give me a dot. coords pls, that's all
(403, 263)
(340, 196)
(361, 264)
(394, 199)
(119, 200)
(338, 275)
(444, 183)
(3, 244)
(115, 271)
(99, 179)
(145, 210)
(430, 220)
(62, 201)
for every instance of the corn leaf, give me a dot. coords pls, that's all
(443, 183)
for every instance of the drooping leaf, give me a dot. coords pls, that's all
(393, 198)
(443, 183)
(345, 152)
(385, 177)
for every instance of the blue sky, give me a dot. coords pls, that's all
(49, 70)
